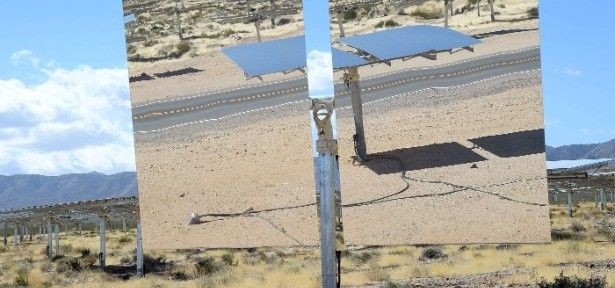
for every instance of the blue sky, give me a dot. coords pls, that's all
(64, 100)
(65, 33)
(578, 67)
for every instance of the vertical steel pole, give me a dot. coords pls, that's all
(340, 22)
(257, 24)
(15, 236)
(102, 254)
(445, 10)
(324, 138)
(49, 240)
(178, 19)
(139, 250)
(570, 202)
(602, 199)
(57, 239)
(124, 225)
(352, 80)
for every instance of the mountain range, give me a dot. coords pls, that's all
(27, 190)
(582, 151)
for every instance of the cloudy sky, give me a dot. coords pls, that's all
(64, 100)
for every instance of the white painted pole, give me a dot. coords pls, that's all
(124, 225)
(139, 250)
(49, 240)
(102, 254)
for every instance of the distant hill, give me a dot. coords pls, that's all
(582, 151)
(26, 190)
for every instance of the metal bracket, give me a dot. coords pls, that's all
(322, 110)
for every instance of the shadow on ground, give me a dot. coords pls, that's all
(423, 157)
(513, 144)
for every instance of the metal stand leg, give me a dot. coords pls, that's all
(102, 254)
(139, 251)
(352, 80)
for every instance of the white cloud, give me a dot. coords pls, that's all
(74, 121)
(25, 55)
(320, 72)
(570, 71)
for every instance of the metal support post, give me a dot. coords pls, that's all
(124, 225)
(257, 25)
(49, 240)
(445, 10)
(58, 252)
(351, 78)
(139, 250)
(570, 202)
(178, 20)
(102, 251)
(15, 237)
(324, 139)
(602, 199)
(340, 22)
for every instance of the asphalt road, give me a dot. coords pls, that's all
(166, 114)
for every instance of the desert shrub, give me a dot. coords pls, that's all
(392, 284)
(179, 275)
(432, 253)
(131, 49)
(21, 278)
(562, 234)
(506, 246)
(68, 264)
(501, 5)
(66, 249)
(46, 266)
(150, 43)
(577, 227)
(609, 234)
(376, 274)
(427, 14)
(283, 21)
(124, 240)
(182, 48)
(88, 261)
(126, 260)
(229, 259)
(532, 12)
(3, 249)
(363, 257)
(562, 281)
(84, 252)
(388, 23)
(350, 14)
(154, 264)
(206, 266)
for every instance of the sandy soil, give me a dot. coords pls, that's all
(258, 162)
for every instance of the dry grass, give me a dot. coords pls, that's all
(300, 267)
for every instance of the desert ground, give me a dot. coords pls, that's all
(583, 247)
(262, 160)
